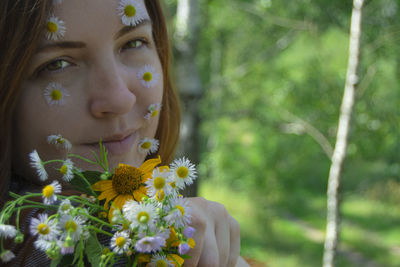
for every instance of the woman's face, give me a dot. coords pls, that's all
(96, 62)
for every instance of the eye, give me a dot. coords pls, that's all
(137, 43)
(56, 65)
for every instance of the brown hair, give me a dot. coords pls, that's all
(21, 24)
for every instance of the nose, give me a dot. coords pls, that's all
(110, 91)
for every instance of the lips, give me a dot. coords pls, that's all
(118, 144)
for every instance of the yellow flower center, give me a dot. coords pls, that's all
(159, 183)
(64, 169)
(65, 207)
(48, 191)
(60, 140)
(161, 263)
(43, 229)
(71, 226)
(126, 179)
(56, 94)
(182, 172)
(173, 184)
(143, 217)
(146, 145)
(154, 113)
(181, 209)
(147, 76)
(160, 195)
(120, 241)
(52, 27)
(130, 11)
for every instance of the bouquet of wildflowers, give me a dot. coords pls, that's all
(128, 215)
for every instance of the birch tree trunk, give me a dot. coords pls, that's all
(188, 79)
(339, 153)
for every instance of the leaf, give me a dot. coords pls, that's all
(54, 263)
(93, 250)
(79, 184)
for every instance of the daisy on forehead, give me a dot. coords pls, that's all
(84, 85)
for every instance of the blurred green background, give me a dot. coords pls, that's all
(272, 75)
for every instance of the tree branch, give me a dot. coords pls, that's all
(339, 153)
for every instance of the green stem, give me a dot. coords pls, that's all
(78, 199)
(100, 231)
(82, 158)
(87, 182)
(53, 161)
(97, 220)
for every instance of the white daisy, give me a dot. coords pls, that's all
(150, 244)
(141, 215)
(55, 94)
(49, 192)
(55, 28)
(120, 242)
(160, 181)
(42, 244)
(132, 12)
(7, 231)
(71, 226)
(45, 229)
(152, 111)
(7, 255)
(160, 260)
(148, 145)
(65, 207)
(37, 163)
(148, 76)
(183, 172)
(179, 212)
(59, 141)
(66, 170)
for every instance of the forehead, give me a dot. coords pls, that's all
(91, 18)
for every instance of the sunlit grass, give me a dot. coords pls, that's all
(277, 239)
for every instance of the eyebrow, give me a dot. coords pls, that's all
(76, 45)
(61, 45)
(128, 29)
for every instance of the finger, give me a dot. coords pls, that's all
(234, 241)
(209, 256)
(199, 223)
(222, 234)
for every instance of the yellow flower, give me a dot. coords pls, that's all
(127, 183)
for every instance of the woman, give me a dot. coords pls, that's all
(89, 70)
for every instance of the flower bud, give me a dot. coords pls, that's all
(19, 238)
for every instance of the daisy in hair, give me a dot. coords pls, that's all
(183, 172)
(148, 145)
(152, 111)
(55, 28)
(120, 242)
(59, 141)
(37, 164)
(44, 228)
(55, 94)
(132, 12)
(49, 192)
(148, 76)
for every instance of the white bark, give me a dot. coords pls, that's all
(339, 153)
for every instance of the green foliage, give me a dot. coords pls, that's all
(272, 69)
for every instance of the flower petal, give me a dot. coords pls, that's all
(149, 165)
(102, 185)
(139, 193)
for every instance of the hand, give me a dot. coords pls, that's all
(217, 235)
